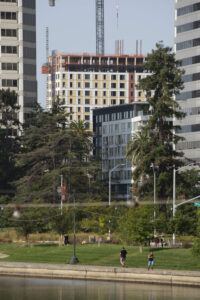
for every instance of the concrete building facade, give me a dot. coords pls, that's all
(187, 48)
(113, 129)
(18, 52)
(84, 82)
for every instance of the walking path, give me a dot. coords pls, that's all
(55, 271)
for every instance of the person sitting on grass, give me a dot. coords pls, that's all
(150, 260)
(123, 254)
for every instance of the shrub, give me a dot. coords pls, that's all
(196, 247)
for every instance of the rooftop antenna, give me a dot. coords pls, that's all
(99, 26)
(51, 2)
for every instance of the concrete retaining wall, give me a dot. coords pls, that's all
(169, 277)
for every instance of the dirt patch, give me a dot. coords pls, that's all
(3, 255)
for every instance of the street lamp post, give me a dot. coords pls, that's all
(109, 196)
(74, 259)
(174, 196)
(154, 195)
(110, 173)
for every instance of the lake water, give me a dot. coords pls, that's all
(12, 288)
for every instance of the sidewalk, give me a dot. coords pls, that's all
(137, 275)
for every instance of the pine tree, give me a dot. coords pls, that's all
(9, 139)
(157, 137)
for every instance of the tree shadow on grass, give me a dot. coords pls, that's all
(46, 245)
(160, 249)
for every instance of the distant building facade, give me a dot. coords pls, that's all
(18, 52)
(84, 82)
(113, 129)
(187, 48)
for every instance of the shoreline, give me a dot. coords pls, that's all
(101, 273)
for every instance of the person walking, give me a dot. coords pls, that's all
(150, 260)
(123, 254)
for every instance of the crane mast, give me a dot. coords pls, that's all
(99, 25)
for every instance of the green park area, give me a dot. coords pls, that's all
(103, 255)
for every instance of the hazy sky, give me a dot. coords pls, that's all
(72, 27)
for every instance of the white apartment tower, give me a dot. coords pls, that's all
(18, 52)
(187, 48)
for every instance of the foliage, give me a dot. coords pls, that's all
(153, 145)
(136, 225)
(63, 224)
(52, 147)
(9, 141)
(196, 247)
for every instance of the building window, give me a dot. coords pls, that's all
(113, 77)
(96, 101)
(71, 84)
(121, 94)
(121, 85)
(131, 94)
(71, 76)
(87, 101)
(139, 94)
(87, 118)
(8, 15)
(79, 93)
(121, 101)
(131, 77)
(113, 102)
(87, 93)
(79, 101)
(104, 93)
(96, 85)
(70, 93)
(71, 100)
(63, 92)
(87, 76)
(104, 85)
(63, 84)
(87, 109)
(79, 109)
(113, 85)
(104, 77)
(122, 77)
(79, 76)
(87, 84)
(104, 101)
(9, 83)
(70, 118)
(9, 66)
(63, 76)
(131, 85)
(9, 32)
(113, 94)
(9, 49)
(79, 84)
(96, 93)
(96, 77)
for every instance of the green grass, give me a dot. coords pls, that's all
(105, 255)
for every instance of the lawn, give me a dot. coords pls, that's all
(105, 255)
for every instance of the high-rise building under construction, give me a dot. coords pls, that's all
(187, 48)
(83, 82)
(18, 52)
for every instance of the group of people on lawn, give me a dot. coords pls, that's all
(123, 254)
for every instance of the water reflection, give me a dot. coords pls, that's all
(31, 289)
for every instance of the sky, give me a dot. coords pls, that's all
(72, 28)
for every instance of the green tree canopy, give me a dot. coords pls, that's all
(153, 146)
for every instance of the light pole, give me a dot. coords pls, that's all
(109, 196)
(154, 195)
(174, 196)
(74, 259)
(110, 173)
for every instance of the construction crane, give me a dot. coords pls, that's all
(99, 25)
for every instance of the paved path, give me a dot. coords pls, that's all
(55, 271)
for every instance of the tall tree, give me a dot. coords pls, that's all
(51, 147)
(9, 139)
(155, 146)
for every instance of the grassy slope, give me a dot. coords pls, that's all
(107, 255)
